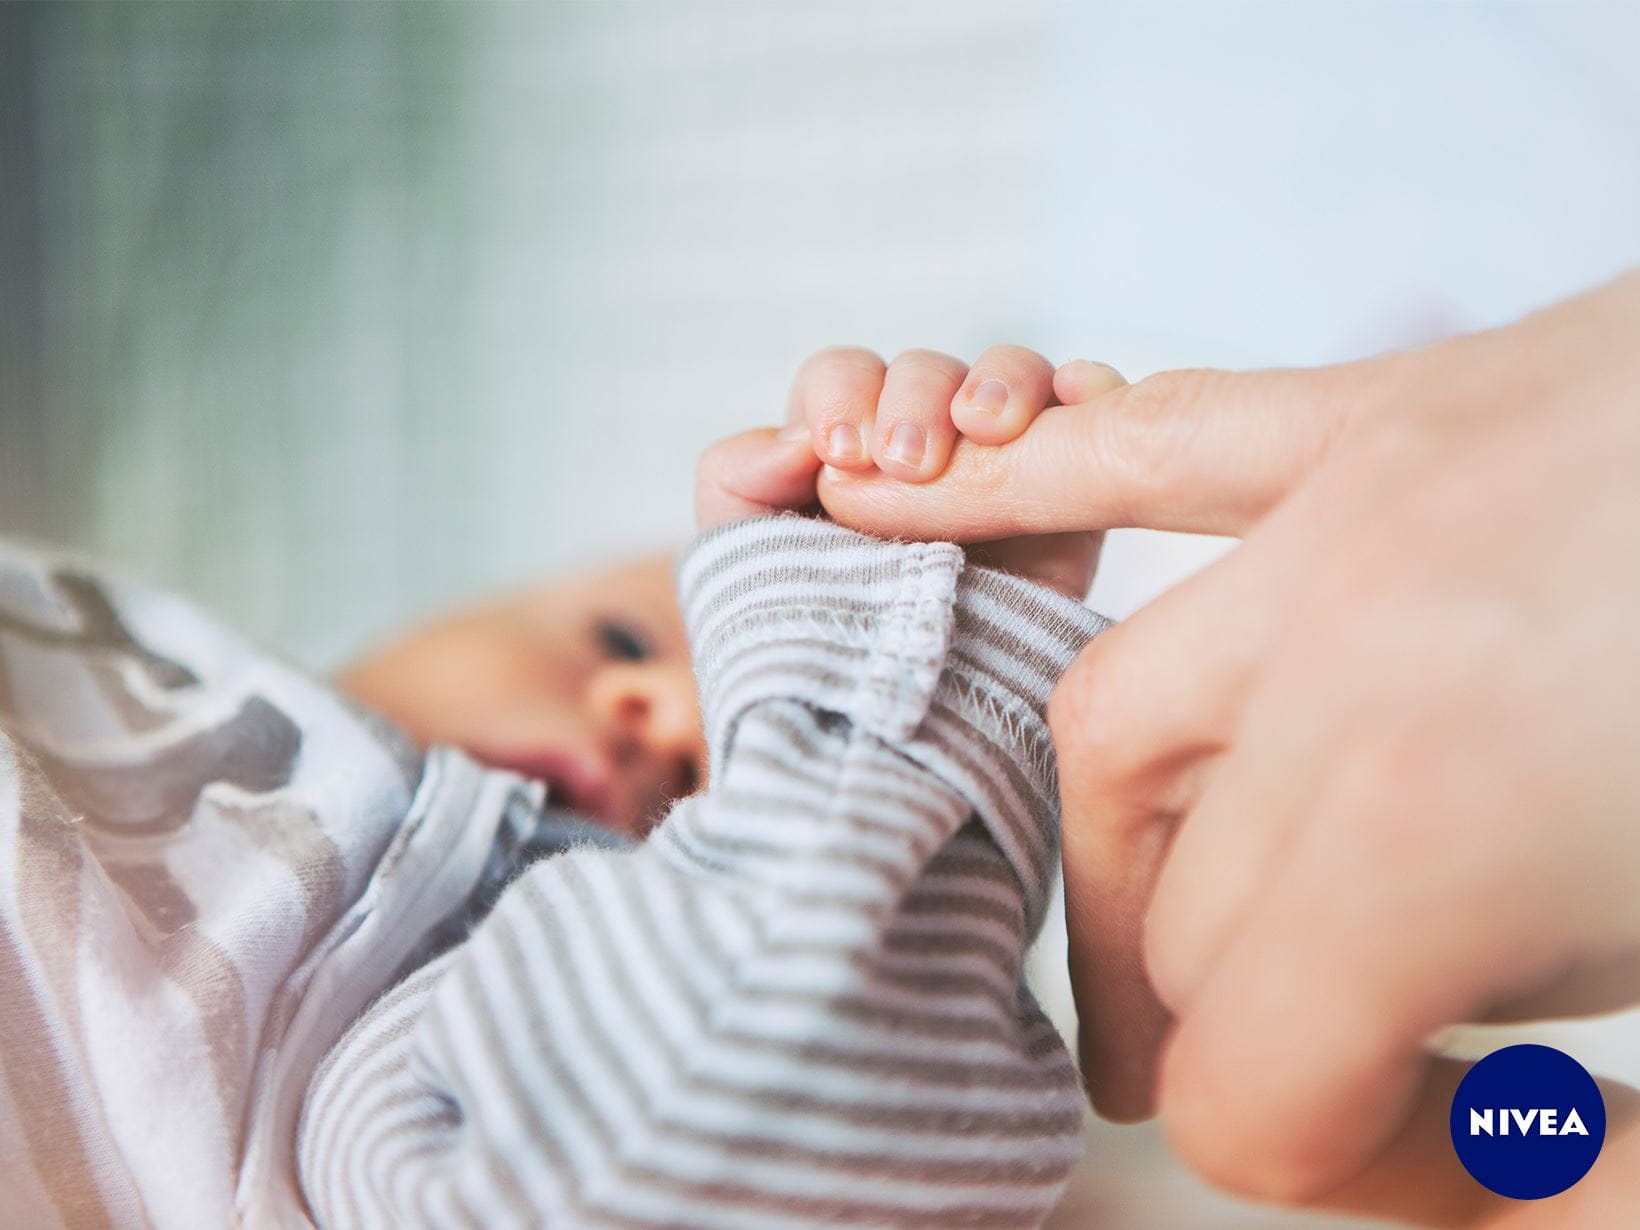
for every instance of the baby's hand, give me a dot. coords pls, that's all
(879, 427)
(903, 420)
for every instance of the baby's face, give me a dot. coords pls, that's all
(582, 683)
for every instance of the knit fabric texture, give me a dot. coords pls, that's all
(798, 1003)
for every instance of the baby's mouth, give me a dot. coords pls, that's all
(581, 782)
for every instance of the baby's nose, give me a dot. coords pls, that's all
(652, 705)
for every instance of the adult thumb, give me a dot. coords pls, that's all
(1203, 451)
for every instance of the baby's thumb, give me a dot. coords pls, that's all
(1200, 451)
(754, 474)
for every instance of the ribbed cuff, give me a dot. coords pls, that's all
(902, 639)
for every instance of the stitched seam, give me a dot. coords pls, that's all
(859, 630)
(1021, 726)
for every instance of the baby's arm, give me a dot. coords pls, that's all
(800, 1001)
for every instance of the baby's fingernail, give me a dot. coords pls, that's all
(1088, 377)
(991, 396)
(1099, 365)
(906, 444)
(794, 431)
(844, 443)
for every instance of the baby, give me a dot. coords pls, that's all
(586, 683)
(245, 981)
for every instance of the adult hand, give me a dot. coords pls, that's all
(1372, 773)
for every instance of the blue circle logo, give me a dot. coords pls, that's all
(1528, 1121)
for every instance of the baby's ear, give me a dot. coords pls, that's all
(754, 474)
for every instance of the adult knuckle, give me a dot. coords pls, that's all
(1171, 961)
(1084, 712)
(1070, 705)
(1169, 392)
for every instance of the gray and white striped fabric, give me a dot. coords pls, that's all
(209, 865)
(800, 1002)
(183, 820)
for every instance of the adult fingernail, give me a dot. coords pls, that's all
(991, 396)
(906, 444)
(794, 431)
(843, 444)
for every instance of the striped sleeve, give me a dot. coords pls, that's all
(799, 1003)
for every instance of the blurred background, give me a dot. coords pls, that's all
(331, 314)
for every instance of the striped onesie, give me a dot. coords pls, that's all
(243, 978)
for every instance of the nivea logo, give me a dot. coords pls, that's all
(1539, 1119)
(1528, 1121)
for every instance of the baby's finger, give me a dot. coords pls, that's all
(1082, 380)
(912, 436)
(1005, 390)
(836, 394)
(754, 474)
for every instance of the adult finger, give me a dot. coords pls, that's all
(1587, 989)
(1251, 808)
(1138, 719)
(1303, 1049)
(1417, 1177)
(1240, 827)
(1201, 451)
